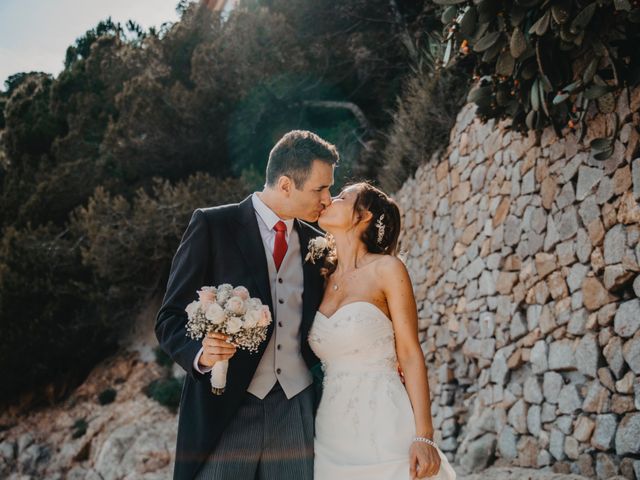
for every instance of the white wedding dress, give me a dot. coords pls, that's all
(365, 423)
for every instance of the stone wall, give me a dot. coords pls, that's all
(525, 265)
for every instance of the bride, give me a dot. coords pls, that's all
(369, 425)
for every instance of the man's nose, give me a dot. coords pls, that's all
(326, 200)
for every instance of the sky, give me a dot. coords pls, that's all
(35, 34)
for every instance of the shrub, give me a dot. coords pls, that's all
(107, 396)
(165, 391)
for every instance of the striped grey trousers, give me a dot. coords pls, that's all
(270, 439)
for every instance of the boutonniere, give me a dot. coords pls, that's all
(318, 247)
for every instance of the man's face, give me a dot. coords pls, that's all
(309, 200)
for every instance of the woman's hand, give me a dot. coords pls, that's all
(424, 460)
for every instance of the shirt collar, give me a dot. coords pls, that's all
(267, 215)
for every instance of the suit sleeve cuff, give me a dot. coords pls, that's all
(197, 367)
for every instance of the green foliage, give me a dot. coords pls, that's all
(165, 391)
(425, 114)
(101, 167)
(107, 396)
(543, 63)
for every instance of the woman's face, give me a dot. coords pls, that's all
(339, 215)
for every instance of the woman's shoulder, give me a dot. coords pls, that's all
(389, 265)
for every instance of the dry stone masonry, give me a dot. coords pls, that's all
(526, 260)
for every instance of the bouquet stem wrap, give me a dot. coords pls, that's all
(219, 377)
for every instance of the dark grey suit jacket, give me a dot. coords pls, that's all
(222, 245)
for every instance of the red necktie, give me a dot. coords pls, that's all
(280, 246)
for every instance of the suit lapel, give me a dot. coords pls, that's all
(249, 240)
(312, 288)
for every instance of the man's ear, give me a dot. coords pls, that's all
(285, 185)
(367, 216)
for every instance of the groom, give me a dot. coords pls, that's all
(262, 426)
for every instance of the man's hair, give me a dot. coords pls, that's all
(294, 154)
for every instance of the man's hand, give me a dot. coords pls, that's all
(215, 349)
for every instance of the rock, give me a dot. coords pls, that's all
(538, 358)
(533, 315)
(518, 416)
(479, 453)
(578, 322)
(501, 212)
(474, 269)
(576, 276)
(589, 210)
(627, 319)
(614, 245)
(566, 253)
(528, 183)
(518, 327)
(606, 467)
(487, 284)
(636, 286)
(548, 190)
(588, 355)
(588, 178)
(532, 390)
(568, 223)
(585, 464)
(512, 230)
(596, 232)
(551, 385)
(571, 448)
(615, 277)
(613, 354)
(628, 211)
(625, 384)
(505, 283)
(604, 432)
(583, 429)
(627, 469)
(597, 399)
(557, 286)
(628, 435)
(561, 355)
(566, 197)
(556, 444)
(552, 236)
(499, 369)
(507, 440)
(631, 353)
(583, 246)
(8, 451)
(636, 178)
(545, 264)
(621, 404)
(606, 378)
(569, 399)
(605, 190)
(534, 421)
(594, 294)
(527, 451)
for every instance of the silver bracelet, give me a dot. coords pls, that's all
(426, 440)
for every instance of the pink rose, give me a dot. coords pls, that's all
(207, 295)
(241, 292)
(235, 306)
(265, 320)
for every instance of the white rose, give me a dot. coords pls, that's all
(192, 308)
(235, 306)
(214, 313)
(253, 304)
(320, 242)
(265, 319)
(234, 325)
(251, 318)
(241, 292)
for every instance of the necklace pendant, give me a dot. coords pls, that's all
(335, 287)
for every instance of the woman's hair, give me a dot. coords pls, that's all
(383, 230)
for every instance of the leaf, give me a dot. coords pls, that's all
(492, 52)
(595, 91)
(531, 119)
(543, 97)
(527, 3)
(634, 15)
(518, 44)
(606, 103)
(541, 26)
(447, 53)
(583, 18)
(449, 14)
(560, 11)
(560, 97)
(448, 2)
(603, 155)
(468, 22)
(517, 15)
(535, 96)
(572, 86)
(590, 71)
(486, 42)
(622, 5)
(601, 143)
(479, 92)
(505, 64)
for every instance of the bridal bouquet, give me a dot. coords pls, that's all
(228, 310)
